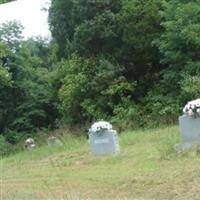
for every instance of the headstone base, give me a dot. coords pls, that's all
(186, 147)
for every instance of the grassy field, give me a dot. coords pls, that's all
(147, 168)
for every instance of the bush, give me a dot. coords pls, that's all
(161, 105)
(91, 89)
(4, 146)
(127, 115)
(191, 87)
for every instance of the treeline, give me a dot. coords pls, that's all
(132, 62)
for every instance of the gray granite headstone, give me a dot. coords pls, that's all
(104, 142)
(190, 128)
(54, 141)
(30, 144)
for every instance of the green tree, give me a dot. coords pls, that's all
(139, 22)
(5, 77)
(179, 45)
(78, 25)
(91, 88)
(11, 34)
(119, 34)
(26, 103)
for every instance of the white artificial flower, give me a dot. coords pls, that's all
(190, 112)
(186, 108)
(101, 125)
(30, 141)
(32, 145)
(193, 106)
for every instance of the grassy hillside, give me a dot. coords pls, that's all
(147, 168)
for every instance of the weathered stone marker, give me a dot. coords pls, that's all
(189, 124)
(103, 139)
(54, 141)
(30, 144)
(190, 128)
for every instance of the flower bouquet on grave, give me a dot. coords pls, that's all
(99, 127)
(192, 108)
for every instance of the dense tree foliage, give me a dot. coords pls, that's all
(25, 95)
(179, 45)
(117, 38)
(134, 62)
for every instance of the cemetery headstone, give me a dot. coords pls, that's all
(103, 139)
(54, 141)
(190, 128)
(30, 144)
(189, 124)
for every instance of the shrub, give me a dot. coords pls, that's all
(191, 87)
(4, 146)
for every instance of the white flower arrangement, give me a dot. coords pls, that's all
(30, 144)
(30, 141)
(99, 126)
(192, 108)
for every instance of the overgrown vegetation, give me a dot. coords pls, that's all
(132, 62)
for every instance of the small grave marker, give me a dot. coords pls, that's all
(189, 124)
(30, 144)
(54, 141)
(190, 128)
(103, 139)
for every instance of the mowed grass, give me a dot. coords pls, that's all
(147, 168)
